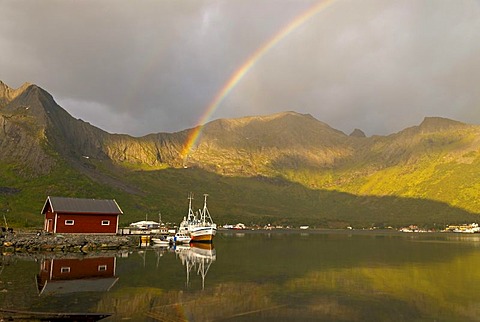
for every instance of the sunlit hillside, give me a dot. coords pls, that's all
(286, 168)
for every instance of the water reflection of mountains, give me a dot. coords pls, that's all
(362, 276)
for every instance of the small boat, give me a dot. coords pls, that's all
(160, 241)
(180, 238)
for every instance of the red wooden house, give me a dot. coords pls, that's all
(81, 216)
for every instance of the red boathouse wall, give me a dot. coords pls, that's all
(86, 223)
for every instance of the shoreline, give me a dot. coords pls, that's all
(36, 242)
(23, 242)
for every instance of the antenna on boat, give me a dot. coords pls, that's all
(205, 195)
(190, 198)
(191, 215)
(205, 213)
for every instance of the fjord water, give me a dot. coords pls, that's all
(260, 276)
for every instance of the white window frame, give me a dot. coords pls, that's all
(69, 222)
(105, 222)
(102, 268)
(65, 269)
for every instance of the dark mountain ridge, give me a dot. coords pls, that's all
(33, 106)
(278, 137)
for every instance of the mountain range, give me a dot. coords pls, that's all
(287, 168)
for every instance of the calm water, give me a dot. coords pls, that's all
(253, 276)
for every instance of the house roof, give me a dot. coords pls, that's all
(84, 206)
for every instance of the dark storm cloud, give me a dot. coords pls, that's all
(377, 65)
(153, 66)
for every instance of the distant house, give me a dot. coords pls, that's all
(145, 224)
(81, 216)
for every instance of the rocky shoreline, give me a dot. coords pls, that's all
(37, 242)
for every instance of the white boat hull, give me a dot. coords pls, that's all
(203, 234)
(180, 238)
(158, 241)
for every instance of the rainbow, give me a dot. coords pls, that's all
(247, 65)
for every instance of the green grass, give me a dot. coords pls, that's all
(436, 188)
(259, 200)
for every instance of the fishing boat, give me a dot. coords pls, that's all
(200, 226)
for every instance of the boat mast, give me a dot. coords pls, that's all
(205, 214)
(191, 215)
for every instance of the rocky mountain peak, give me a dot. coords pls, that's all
(357, 133)
(280, 131)
(7, 94)
(431, 124)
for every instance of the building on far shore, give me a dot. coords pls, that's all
(81, 216)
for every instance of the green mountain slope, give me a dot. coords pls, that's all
(285, 168)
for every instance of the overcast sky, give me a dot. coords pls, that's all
(141, 67)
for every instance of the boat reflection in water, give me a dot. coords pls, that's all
(197, 257)
(60, 276)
